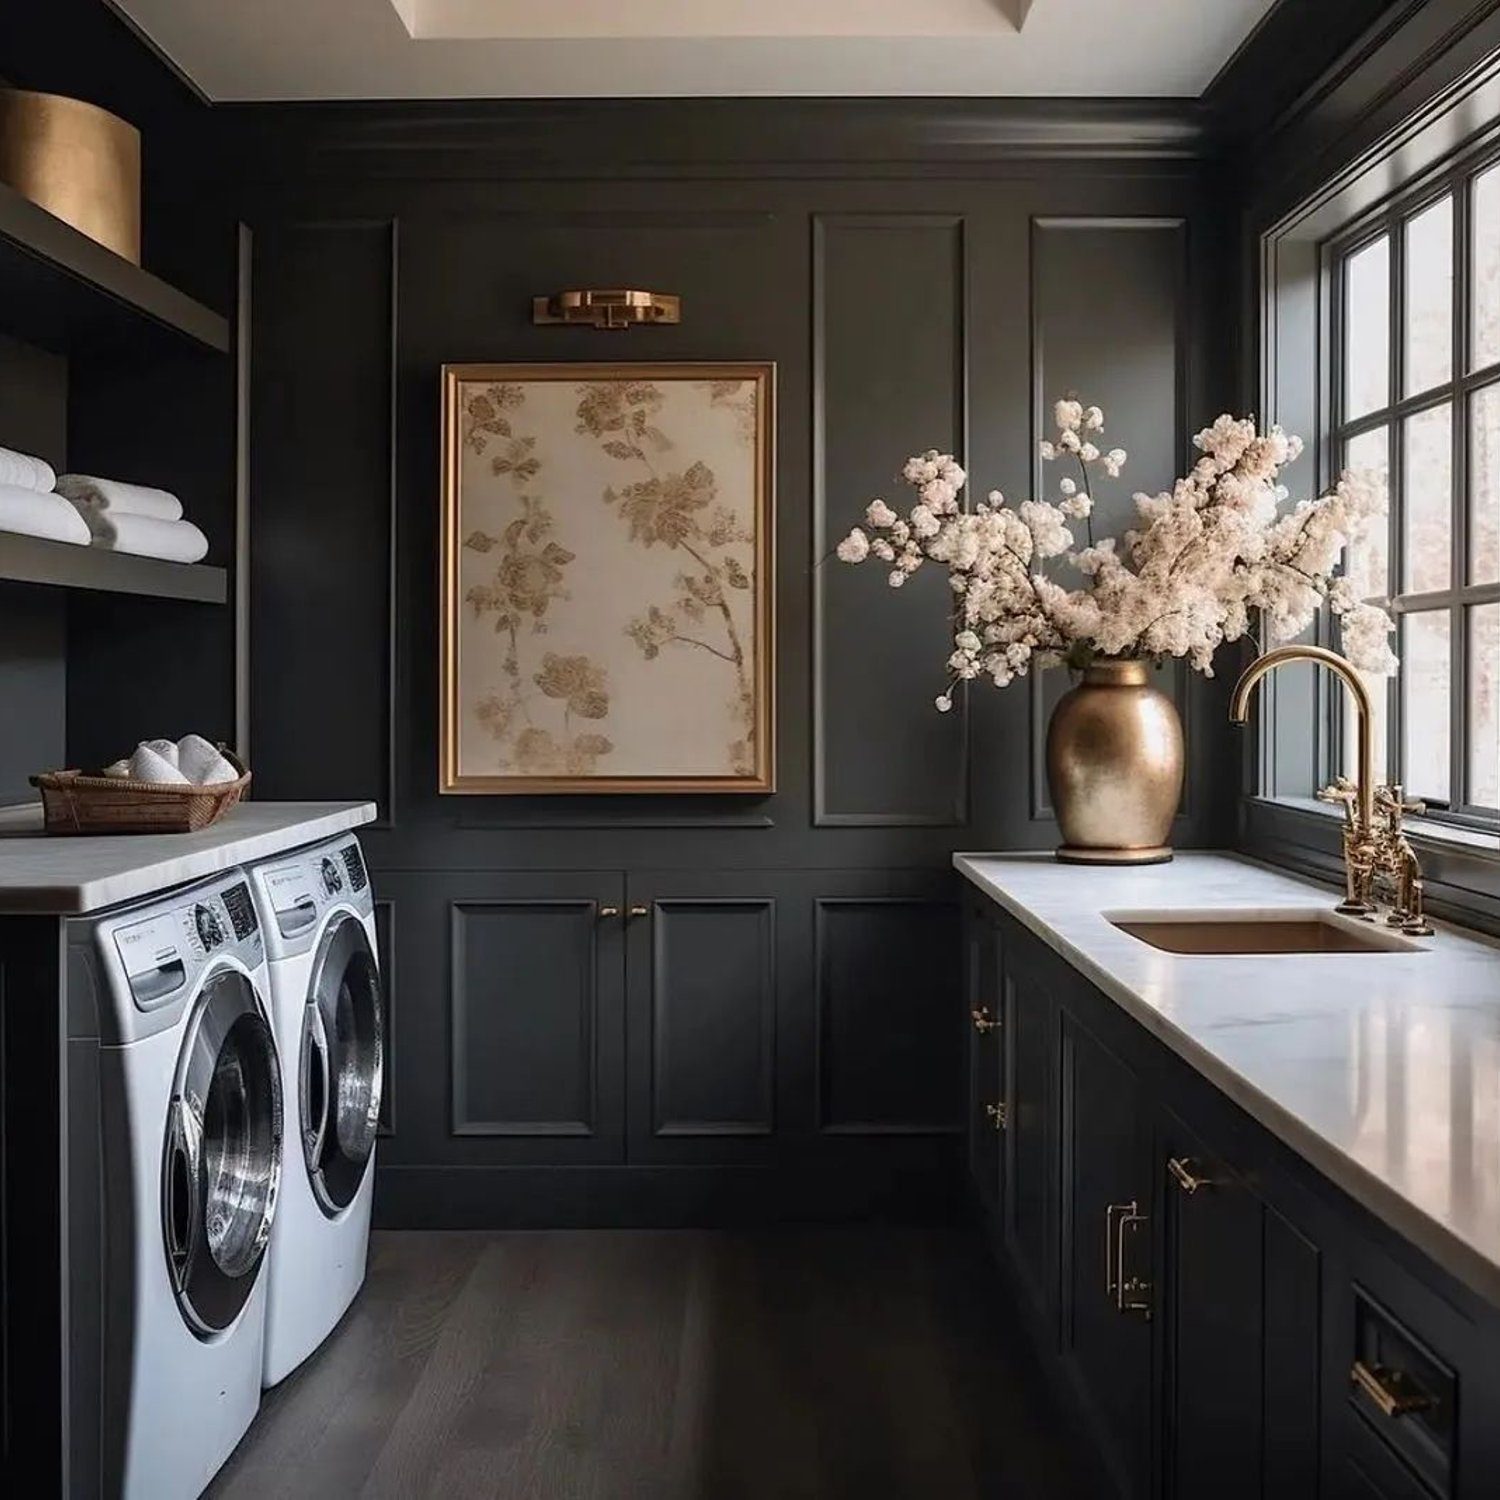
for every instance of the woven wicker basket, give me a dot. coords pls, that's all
(75, 803)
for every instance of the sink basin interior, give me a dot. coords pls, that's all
(1295, 930)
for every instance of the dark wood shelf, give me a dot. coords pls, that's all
(30, 559)
(62, 291)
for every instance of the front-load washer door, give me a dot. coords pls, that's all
(222, 1160)
(342, 1062)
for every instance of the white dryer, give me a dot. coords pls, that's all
(174, 1157)
(318, 913)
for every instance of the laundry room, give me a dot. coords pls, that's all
(978, 978)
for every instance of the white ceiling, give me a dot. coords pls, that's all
(464, 49)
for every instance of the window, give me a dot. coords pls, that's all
(1414, 398)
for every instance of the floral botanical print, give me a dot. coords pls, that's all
(606, 623)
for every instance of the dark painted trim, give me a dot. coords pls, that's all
(765, 1124)
(920, 1183)
(821, 548)
(459, 1123)
(914, 1128)
(694, 137)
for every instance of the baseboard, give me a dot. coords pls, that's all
(448, 1197)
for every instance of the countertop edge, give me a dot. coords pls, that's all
(1440, 1243)
(175, 869)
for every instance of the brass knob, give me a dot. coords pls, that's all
(640, 911)
(982, 1019)
(609, 911)
(998, 1114)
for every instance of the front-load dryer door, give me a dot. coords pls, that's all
(342, 1060)
(222, 1159)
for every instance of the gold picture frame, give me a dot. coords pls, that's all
(607, 578)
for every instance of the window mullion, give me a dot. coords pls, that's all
(1458, 734)
(1394, 768)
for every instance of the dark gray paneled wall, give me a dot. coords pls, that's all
(780, 1031)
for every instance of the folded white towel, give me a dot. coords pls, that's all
(25, 470)
(168, 751)
(147, 765)
(144, 536)
(34, 514)
(118, 496)
(202, 763)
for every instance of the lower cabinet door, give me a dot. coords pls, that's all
(1108, 1298)
(1212, 1313)
(987, 1101)
(701, 977)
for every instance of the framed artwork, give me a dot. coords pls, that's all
(607, 578)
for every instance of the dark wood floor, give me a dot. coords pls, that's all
(874, 1364)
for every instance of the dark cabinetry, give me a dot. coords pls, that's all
(1222, 1320)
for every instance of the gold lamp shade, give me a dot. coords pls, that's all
(77, 161)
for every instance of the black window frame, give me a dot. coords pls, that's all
(1456, 181)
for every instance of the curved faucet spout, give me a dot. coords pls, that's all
(1364, 715)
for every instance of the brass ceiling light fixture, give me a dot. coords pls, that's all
(613, 308)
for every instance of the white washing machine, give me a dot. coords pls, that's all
(318, 913)
(173, 1162)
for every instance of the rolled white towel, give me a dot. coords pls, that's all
(32, 513)
(116, 495)
(24, 469)
(168, 751)
(202, 763)
(144, 536)
(147, 765)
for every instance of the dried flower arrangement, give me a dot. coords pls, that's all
(1210, 554)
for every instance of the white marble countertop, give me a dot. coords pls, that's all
(67, 875)
(1380, 1069)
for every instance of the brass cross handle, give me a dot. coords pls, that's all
(1342, 792)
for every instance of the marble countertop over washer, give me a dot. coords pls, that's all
(1380, 1069)
(67, 875)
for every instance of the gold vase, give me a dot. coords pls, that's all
(1114, 763)
(77, 161)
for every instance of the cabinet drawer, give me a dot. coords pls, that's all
(1403, 1395)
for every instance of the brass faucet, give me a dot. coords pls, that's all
(1377, 854)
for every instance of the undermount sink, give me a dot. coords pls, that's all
(1294, 930)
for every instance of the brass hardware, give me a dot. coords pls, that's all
(999, 1115)
(1181, 1168)
(609, 911)
(1393, 1391)
(79, 162)
(640, 911)
(982, 1019)
(1131, 1294)
(1114, 766)
(1377, 855)
(612, 308)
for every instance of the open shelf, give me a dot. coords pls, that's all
(62, 291)
(30, 559)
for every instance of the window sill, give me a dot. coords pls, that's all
(1461, 867)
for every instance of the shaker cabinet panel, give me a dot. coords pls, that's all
(987, 1101)
(1106, 1251)
(1029, 1020)
(1212, 1317)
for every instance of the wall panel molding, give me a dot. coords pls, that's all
(385, 943)
(894, 312)
(706, 994)
(526, 1004)
(882, 1066)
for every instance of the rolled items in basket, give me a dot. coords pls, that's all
(26, 470)
(151, 766)
(115, 495)
(32, 513)
(145, 536)
(190, 761)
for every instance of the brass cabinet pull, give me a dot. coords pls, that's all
(1181, 1168)
(640, 911)
(999, 1114)
(982, 1019)
(1130, 1294)
(609, 911)
(1393, 1391)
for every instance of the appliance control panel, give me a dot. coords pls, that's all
(164, 950)
(299, 891)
